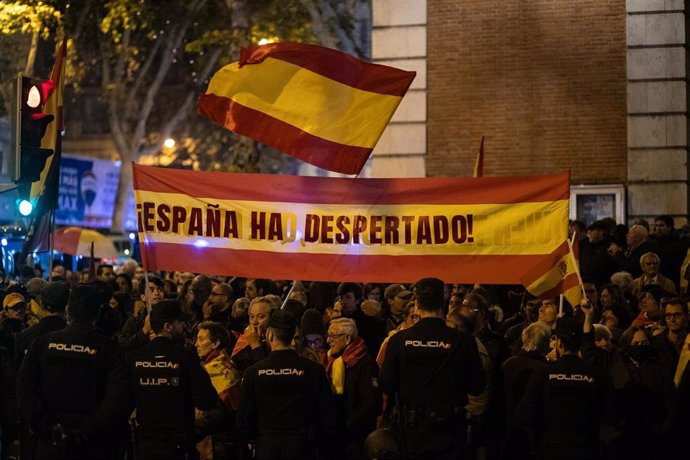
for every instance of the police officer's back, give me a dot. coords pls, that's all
(286, 404)
(168, 382)
(71, 386)
(564, 402)
(431, 368)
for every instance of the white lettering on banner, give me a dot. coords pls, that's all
(75, 348)
(428, 344)
(274, 372)
(572, 378)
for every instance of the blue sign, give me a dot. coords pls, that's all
(88, 189)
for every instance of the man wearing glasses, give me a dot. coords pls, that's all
(669, 343)
(354, 380)
(219, 305)
(650, 263)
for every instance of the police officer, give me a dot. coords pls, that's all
(286, 404)
(71, 386)
(168, 382)
(563, 404)
(430, 368)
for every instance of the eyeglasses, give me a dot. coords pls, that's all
(676, 315)
(217, 293)
(334, 336)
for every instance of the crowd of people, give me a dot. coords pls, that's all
(116, 363)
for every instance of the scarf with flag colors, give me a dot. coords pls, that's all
(461, 230)
(317, 104)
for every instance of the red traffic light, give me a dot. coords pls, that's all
(33, 126)
(36, 92)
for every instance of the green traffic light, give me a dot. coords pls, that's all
(25, 208)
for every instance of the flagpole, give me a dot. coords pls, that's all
(575, 265)
(147, 296)
(287, 297)
(51, 237)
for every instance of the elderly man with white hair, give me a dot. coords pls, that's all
(650, 263)
(637, 243)
(354, 380)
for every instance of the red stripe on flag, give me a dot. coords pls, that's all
(546, 264)
(327, 267)
(334, 65)
(345, 159)
(568, 282)
(328, 190)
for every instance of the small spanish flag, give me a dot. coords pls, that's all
(556, 274)
(317, 104)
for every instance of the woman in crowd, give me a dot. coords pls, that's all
(212, 341)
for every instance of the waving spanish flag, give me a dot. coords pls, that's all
(556, 274)
(317, 104)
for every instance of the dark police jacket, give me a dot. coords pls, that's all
(563, 404)
(76, 377)
(432, 366)
(168, 382)
(27, 336)
(286, 393)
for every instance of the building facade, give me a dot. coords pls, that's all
(594, 87)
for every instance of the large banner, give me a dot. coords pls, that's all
(461, 230)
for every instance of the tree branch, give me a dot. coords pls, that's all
(181, 112)
(143, 71)
(122, 57)
(154, 87)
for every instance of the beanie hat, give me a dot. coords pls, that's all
(312, 323)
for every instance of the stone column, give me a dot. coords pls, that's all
(657, 109)
(399, 40)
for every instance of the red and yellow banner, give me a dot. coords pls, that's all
(317, 104)
(486, 230)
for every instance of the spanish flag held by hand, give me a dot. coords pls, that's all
(556, 274)
(319, 105)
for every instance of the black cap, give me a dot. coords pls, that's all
(281, 319)
(165, 311)
(312, 323)
(569, 329)
(598, 225)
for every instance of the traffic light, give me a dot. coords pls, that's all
(32, 95)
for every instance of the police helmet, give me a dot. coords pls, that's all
(382, 444)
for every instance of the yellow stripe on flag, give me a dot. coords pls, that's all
(326, 108)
